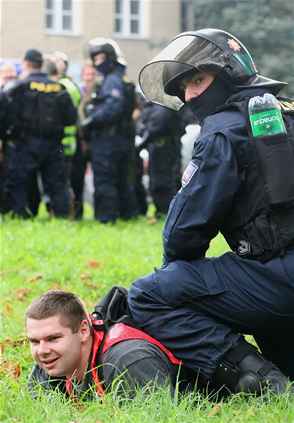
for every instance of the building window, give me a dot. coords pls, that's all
(128, 19)
(61, 16)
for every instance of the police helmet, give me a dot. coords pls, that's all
(205, 50)
(107, 46)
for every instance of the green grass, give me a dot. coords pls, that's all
(88, 258)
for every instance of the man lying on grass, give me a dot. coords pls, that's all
(85, 355)
(81, 356)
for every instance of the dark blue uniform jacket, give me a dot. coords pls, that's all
(110, 106)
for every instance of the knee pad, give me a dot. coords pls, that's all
(244, 369)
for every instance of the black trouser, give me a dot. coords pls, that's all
(24, 159)
(198, 308)
(77, 179)
(164, 172)
(114, 194)
(141, 194)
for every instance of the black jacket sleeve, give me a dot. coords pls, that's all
(208, 187)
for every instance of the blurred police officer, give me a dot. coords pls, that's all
(108, 122)
(71, 142)
(140, 162)
(8, 78)
(3, 135)
(159, 128)
(41, 108)
(237, 184)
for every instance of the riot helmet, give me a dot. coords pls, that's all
(206, 50)
(107, 46)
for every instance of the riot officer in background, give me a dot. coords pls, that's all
(71, 141)
(8, 78)
(140, 164)
(82, 161)
(40, 109)
(3, 134)
(110, 127)
(159, 129)
(240, 182)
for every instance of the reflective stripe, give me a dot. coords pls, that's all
(72, 90)
(70, 130)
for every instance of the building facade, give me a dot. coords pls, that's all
(141, 27)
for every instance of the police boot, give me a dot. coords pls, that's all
(244, 369)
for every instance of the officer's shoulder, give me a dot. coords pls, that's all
(55, 82)
(224, 121)
(37, 76)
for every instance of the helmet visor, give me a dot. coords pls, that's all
(190, 51)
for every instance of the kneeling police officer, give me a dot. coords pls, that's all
(40, 109)
(240, 182)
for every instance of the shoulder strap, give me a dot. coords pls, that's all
(113, 308)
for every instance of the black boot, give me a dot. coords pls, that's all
(244, 369)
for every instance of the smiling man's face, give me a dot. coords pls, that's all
(55, 347)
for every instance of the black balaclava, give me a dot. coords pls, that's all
(211, 99)
(105, 67)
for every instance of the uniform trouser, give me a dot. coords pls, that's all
(24, 159)
(141, 194)
(3, 173)
(199, 308)
(34, 195)
(77, 179)
(164, 172)
(114, 195)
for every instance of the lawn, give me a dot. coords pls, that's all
(88, 258)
